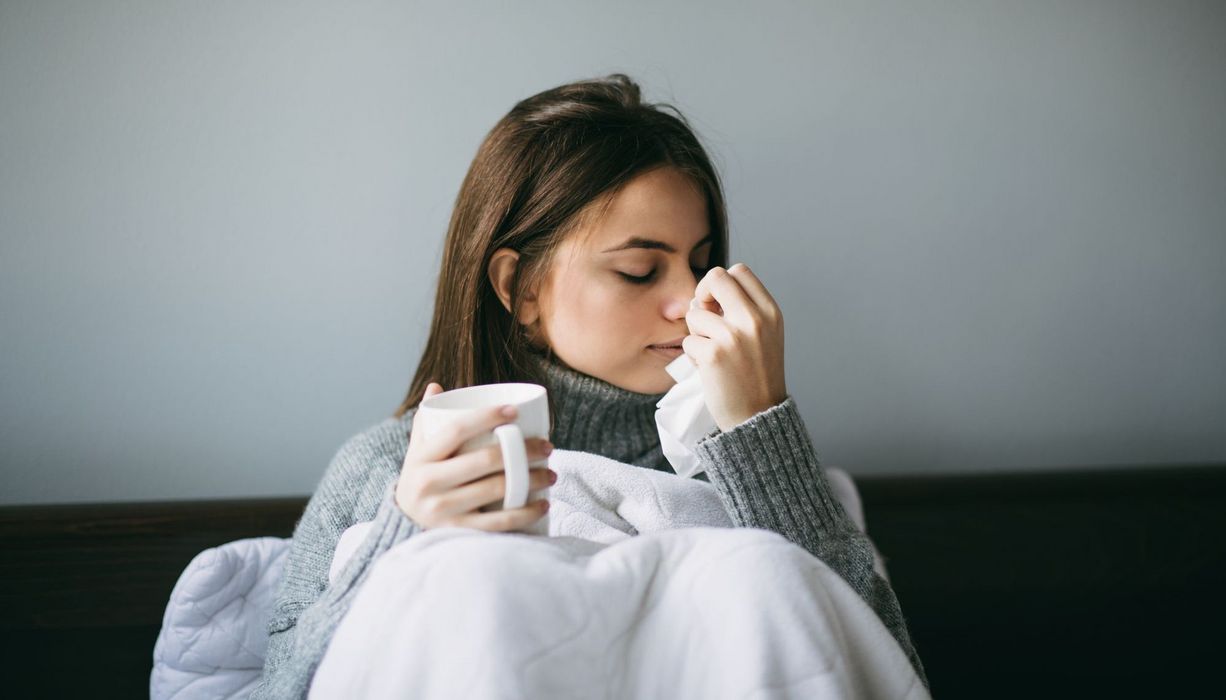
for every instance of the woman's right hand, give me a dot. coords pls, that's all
(439, 488)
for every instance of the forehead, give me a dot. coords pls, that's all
(663, 204)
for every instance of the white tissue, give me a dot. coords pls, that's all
(682, 417)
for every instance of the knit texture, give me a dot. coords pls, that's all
(765, 471)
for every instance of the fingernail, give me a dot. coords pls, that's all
(508, 411)
(553, 477)
(547, 447)
(545, 506)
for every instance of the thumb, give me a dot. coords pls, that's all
(434, 388)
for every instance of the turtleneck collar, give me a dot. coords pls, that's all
(592, 415)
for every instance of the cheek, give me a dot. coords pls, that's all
(595, 314)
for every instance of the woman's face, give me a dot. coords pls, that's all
(603, 323)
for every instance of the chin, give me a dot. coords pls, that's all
(640, 379)
(653, 384)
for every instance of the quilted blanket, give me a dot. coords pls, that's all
(214, 631)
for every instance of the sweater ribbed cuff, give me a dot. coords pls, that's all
(391, 525)
(768, 475)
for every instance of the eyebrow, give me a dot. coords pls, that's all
(651, 244)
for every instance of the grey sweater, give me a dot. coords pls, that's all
(765, 471)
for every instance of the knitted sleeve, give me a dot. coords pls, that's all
(307, 609)
(767, 475)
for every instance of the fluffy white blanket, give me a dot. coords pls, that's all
(642, 590)
(606, 501)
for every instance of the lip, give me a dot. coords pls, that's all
(670, 353)
(675, 342)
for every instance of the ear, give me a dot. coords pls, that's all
(502, 273)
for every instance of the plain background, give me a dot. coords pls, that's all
(997, 230)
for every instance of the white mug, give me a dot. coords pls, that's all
(532, 402)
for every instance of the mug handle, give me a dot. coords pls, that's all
(514, 465)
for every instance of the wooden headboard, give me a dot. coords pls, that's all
(1103, 582)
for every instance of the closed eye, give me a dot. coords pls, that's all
(698, 272)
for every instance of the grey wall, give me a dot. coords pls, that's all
(997, 230)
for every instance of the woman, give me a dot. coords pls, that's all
(586, 224)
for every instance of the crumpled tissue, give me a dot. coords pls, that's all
(682, 417)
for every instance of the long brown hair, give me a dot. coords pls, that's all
(550, 166)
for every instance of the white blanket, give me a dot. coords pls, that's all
(688, 608)
(603, 500)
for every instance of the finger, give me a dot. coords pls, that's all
(459, 430)
(698, 349)
(491, 489)
(717, 284)
(707, 324)
(712, 306)
(702, 294)
(504, 520)
(705, 301)
(477, 464)
(753, 286)
(431, 389)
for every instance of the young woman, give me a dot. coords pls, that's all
(586, 251)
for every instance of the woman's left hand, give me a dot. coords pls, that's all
(739, 354)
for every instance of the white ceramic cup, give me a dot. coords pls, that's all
(532, 402)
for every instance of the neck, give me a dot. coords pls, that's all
(592, 415)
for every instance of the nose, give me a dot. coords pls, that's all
(678, 293)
